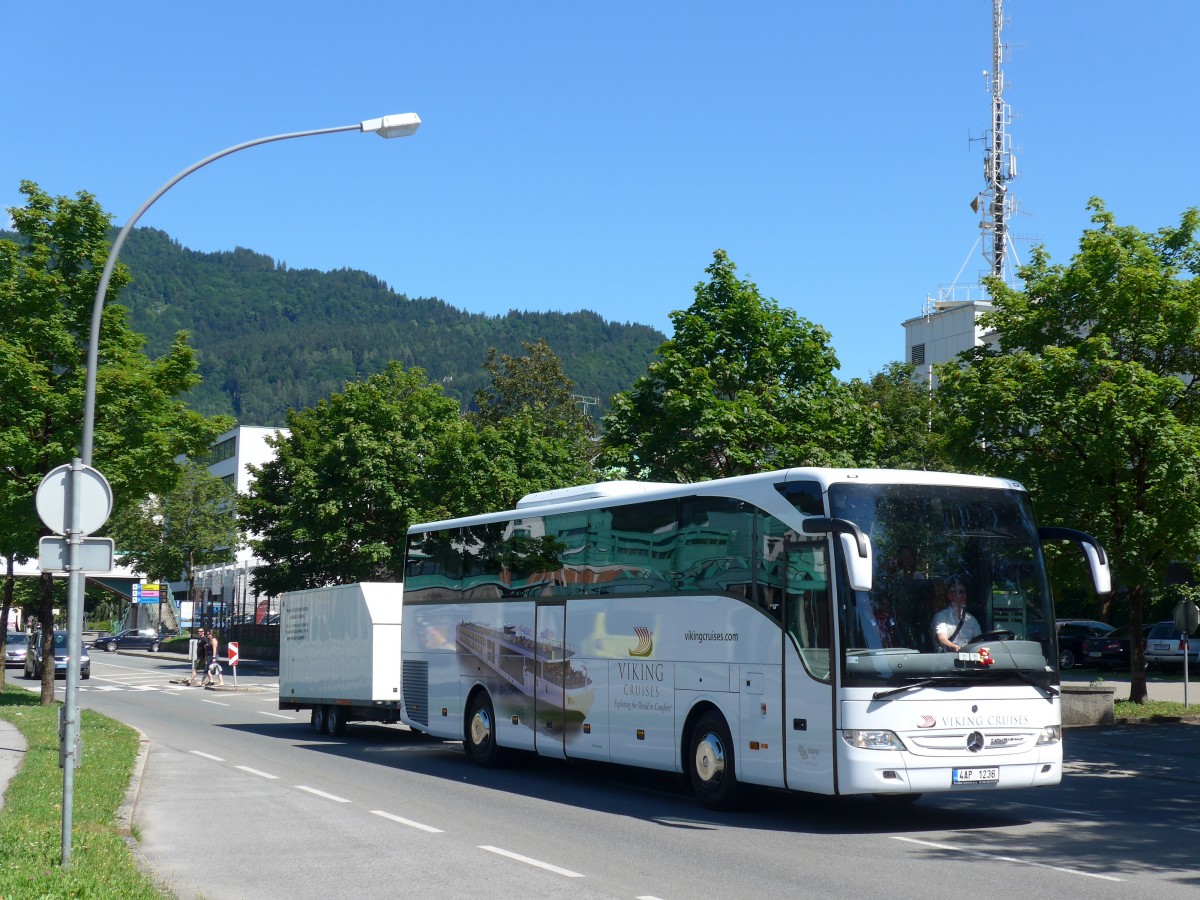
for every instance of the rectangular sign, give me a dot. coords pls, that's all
(146, 593)
(95, 555)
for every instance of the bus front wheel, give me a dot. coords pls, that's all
(710, 762)
(480, 738)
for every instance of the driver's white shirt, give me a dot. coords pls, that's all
(946, 621)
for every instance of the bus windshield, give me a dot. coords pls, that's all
(959, 586)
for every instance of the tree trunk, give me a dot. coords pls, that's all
(46, 624)
(1137, 647)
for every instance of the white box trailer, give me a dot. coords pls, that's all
(339, 653)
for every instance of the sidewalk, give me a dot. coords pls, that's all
(1156, 687)
(12, 753)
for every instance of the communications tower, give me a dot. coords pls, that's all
(999, 161)
(948, 324)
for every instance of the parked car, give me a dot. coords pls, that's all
(18, 644)
(1071, 635)
(1162, 646)
(1112, 650)
(133, 639)
(62, 655)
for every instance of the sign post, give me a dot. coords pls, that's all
(73, 500)
(233, 659)
(1187, 617)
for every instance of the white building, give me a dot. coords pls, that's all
(229, 588)
(945, 329)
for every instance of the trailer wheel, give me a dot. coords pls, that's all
(319, 718)
(480, 739)
(710, 762)
(335, 721)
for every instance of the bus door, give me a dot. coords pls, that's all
(808, 669)
(551, 668)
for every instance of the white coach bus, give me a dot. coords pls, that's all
(776, 629)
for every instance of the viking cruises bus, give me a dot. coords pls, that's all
(774, 629)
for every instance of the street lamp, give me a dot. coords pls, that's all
(393, 126)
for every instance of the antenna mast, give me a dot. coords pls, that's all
(999, 161)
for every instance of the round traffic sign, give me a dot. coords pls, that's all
(95, 499)
(1187, 616)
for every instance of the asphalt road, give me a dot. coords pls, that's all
(239, 799)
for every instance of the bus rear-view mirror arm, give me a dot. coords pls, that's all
(1097, 559)
(856, 547)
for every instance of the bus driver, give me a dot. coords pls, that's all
(954, 626)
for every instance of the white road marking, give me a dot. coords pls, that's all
(258, 773)
(1011, 859)
(533, 862)
(207, 755)
(214, 702)
(263, 712)
(333, 797)
(409, 822)
(647, 897)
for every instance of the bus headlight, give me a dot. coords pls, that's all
(864, 739)
(1051, 734)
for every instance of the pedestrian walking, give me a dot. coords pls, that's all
(199, 659)
(214, 660)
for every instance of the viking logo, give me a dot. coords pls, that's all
(927, 722)
(645, 644)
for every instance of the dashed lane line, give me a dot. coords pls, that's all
(312, 790)
(251, 771)
(1011, 859)
(207, 755)
(263, 712)
(409, 822)
(532, 862)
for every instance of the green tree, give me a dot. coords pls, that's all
(743, 386)
(193, 524)
(903, 421)
(48, 280)
(1092, 400)
(353, 472)
(532, 435)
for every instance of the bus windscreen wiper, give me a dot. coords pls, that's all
(924, 682)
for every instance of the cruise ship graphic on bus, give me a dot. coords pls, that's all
(538, 667)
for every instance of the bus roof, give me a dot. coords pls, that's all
(584, 496)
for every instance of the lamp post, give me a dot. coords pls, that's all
(401, 125)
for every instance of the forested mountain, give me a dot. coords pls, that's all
(270, 338)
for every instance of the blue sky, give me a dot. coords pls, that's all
(593, 156)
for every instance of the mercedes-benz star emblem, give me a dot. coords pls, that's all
(974, 741)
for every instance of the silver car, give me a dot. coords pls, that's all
(1163, 647)
(62, 656)
(17, 646)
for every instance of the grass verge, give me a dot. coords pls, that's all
(31, 820)
(1154, 709)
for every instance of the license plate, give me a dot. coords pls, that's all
(975, 776)
(1162, 646)
(1094, 653)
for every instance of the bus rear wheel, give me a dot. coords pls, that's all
(480, 738)
(335, 721)
(319, 718)
(710, 762)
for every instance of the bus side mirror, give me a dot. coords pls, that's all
(858, 566)
(1097, 559)
(856, 548)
